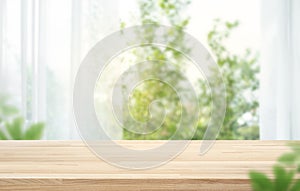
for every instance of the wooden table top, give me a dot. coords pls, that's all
(70, 165)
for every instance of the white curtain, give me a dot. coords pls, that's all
(42, 43)
(2, 5)
(280, 70)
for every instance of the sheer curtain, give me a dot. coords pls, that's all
(42, 43)
(280, 69)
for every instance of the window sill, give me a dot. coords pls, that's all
(70, 165)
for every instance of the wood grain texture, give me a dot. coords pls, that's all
(71, 166)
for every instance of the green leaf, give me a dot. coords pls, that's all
(283, 178)
(15, 128)
(260, 182)
(296, 186)
(122, 25)
(288, 158)
(230, 25)
(295, 147)
(2, 136)
(6, 110)
(185, 23)
(210, 35)
(34, 132)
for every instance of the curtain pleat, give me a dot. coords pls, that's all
(279, 92)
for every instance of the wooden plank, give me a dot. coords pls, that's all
(70, 165)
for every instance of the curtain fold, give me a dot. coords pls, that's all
(2, 15)
(42, 43)
(279, 94)
(295, 32)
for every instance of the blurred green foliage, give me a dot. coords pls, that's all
(285, 173)
(239, 75)
(6, 110)
(152, 12)
(12, 126)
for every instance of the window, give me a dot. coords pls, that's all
(44, 41)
